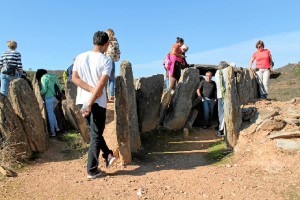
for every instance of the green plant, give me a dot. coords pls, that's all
(218, 152)
(77, 146)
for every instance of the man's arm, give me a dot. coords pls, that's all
(80, 83)
(97, 92)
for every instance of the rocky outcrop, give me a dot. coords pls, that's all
(25, 105)
(181, 103)
(133, 124)
(148, 95)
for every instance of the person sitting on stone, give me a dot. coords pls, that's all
(207, 92)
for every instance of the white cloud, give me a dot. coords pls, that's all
(285, 48)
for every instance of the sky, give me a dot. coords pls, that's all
(50, 34)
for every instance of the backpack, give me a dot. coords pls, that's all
(58, 94)
(167, 62)
(8, 68)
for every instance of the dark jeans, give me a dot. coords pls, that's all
(208, 111)
(96, 123)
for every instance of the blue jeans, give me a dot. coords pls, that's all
(208, 110)
(96, 123)
(50, 105)
(5, 80)
(111, 80)
(221, 113)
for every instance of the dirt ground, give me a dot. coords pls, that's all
(179, 170)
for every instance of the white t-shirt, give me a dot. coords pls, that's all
(90, 66)
(217, 80)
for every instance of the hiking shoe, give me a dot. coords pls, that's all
(93, 176)
(52, 135)
(205, 126)
(110, 161)
(220, 134)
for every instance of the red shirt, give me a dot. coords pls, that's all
(262, 59)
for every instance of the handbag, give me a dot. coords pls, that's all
(58, 94)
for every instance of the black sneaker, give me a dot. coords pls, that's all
(220, 134)
(94, 175)
(110, 160)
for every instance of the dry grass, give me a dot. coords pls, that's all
(287, 85)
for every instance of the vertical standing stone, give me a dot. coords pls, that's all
(122, 121)
(254, 93)
(12, 130)
(36, 90)
(148, 96)
(126, 73)
(26, 107)
(244, 85)
(181, 103)
(163, 106)
(71, 92)
(232, 111)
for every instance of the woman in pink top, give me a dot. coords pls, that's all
(263, 59)
(177, 62)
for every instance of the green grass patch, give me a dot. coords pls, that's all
(218, 153)
(77, 147)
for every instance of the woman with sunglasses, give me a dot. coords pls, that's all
(263, 60)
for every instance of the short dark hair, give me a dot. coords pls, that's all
(179, 39)
(100, 38)
(260, 43)
(40, 73)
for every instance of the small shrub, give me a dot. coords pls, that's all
(218, 152)
(8, 155)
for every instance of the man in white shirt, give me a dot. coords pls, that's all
(91, 71)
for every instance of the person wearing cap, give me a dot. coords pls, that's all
(10, 62)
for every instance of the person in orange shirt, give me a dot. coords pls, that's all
(263, 59)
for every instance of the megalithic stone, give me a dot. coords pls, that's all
(181, 103)
(148, 96)
(26, 107)
(71, 92)
(12, 131)
(122, 122)
(232, 110)
(133, 124)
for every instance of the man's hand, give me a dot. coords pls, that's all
(86, 110)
